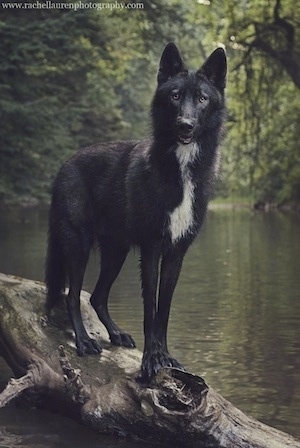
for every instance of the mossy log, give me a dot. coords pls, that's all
(101, 392)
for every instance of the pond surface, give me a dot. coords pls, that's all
(235, 317)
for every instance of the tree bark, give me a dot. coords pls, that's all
(176, 408)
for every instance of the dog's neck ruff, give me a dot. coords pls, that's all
(182, 217)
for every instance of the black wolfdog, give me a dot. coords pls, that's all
(151, 193)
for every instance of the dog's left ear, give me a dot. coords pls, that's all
(215, 68)
(170, 63)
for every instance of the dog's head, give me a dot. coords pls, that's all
(187, 103)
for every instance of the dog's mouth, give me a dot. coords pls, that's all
(185, 139)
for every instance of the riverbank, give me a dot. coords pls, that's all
(232, 203)
(229, 203)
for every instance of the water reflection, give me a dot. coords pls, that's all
(235, 317)
(32, 429)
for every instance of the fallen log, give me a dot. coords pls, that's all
(176, 408)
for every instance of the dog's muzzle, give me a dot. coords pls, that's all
(185, 130)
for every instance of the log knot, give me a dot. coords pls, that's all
(179, 391)
(171, 393)
(72, 378)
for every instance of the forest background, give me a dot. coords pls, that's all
(72, 78)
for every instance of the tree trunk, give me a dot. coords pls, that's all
(177, 408)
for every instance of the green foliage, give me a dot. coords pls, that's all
(45, 62)
(71, 78)
(261, 151)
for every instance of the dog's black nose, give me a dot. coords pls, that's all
(185, 125)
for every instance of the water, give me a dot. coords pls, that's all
(235, 317)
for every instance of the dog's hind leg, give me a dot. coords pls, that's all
(113, 256)
(76, 262)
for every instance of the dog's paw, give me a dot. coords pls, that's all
(88, 346)
(153, 362)
(122, 340)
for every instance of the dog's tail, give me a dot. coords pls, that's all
(55, 272)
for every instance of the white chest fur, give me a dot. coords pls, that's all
(182, 217)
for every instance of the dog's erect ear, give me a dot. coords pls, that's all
(215, 68)
(170, 63)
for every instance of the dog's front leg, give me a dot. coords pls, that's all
(156, 317)
(150, 257)
(170, 269)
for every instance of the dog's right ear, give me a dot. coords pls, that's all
(170, 63)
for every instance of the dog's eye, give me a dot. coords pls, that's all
(202, 99)
(175, 96)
